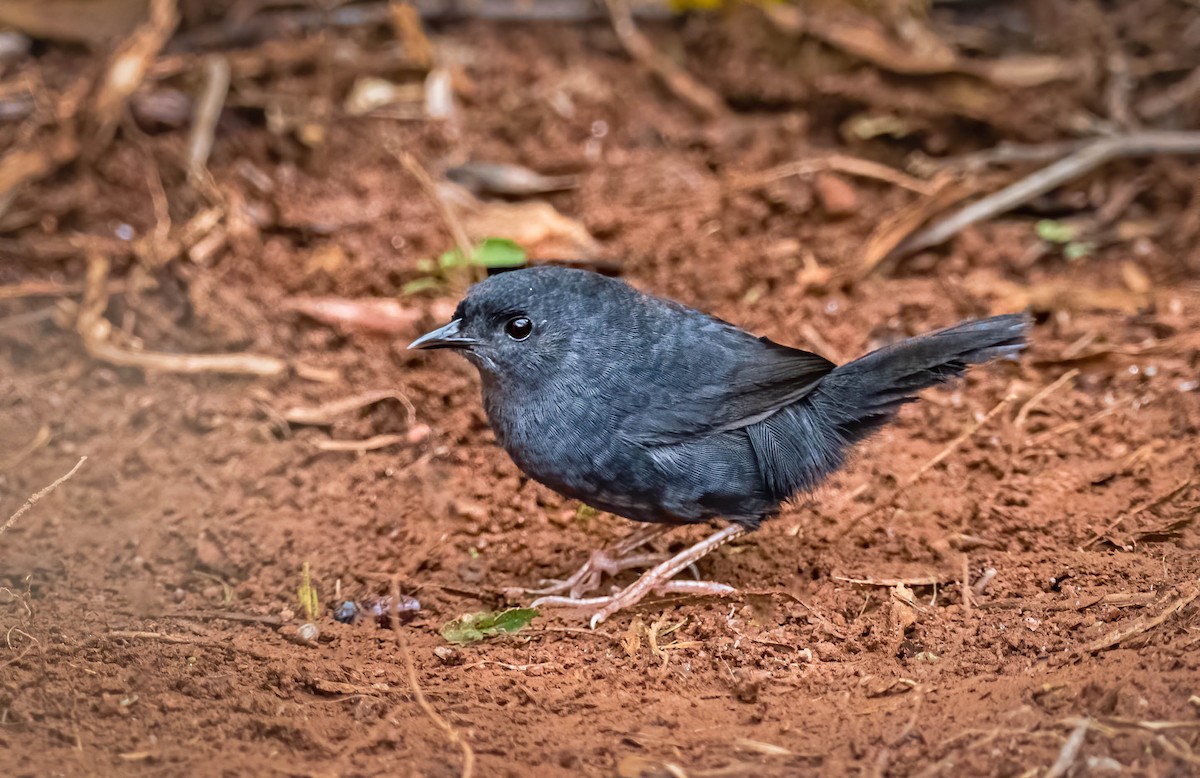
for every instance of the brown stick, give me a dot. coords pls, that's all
(839, 163)
(468, 767)
(698, 97)
(208, 112)
(1141, 626)
(32, 501)
(453, 224)
(1081, 162)
(94, 330)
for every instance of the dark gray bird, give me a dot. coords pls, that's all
(663, 414)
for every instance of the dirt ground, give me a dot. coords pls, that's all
(151, 604)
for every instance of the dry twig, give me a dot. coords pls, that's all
(94, 330)
(128, 66)
(1070, 750)
(208, 111)
(1142, 626)
(839, 163)
(1078, 163)
(32, 501)
(453, 224)
(1153, 502)
(698, 97)
(468, 754)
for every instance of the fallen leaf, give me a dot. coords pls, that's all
(536, 226)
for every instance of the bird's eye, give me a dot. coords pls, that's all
(519, 328)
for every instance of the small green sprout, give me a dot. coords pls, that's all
(308, 595)
(490, 254)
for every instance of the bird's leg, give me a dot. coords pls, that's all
(656, 579)
(611, 560)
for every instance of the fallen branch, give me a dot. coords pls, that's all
(920, 580)
(698, 97)
(468, 754)
(1081, 162)
(32, 501)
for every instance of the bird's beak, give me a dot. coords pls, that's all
(449, 336)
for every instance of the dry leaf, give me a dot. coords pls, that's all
(536, 226)
(77, 21)
(902, 614)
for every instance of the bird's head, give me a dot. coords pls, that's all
(520, 327)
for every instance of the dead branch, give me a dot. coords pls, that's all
(1033, 402)
(468, 754)
(1181, 93)
(33, 500)
(698, 97)
(953, 445)
(1079, 163)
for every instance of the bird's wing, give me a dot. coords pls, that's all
(729, 383)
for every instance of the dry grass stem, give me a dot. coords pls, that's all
(695, 95)
(33, 500)
(468, 754)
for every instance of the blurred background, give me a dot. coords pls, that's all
(221, 223)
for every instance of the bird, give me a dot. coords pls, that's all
(663, 414)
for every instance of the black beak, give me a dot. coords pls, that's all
(448, 336)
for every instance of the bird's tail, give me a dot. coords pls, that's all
(861, 396)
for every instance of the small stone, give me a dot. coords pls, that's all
(449, 655)
(417, 433)
(308, 634)
(837, 197)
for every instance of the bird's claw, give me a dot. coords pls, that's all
(633, 594)
(587, 577)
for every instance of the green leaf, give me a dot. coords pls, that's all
(1054, 231)
(450, 259)
(498, 252)
(474, 627)
(1077, 250)
(420, 285)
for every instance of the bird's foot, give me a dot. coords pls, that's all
(657, 580)
(611, 560)
(587, 577)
